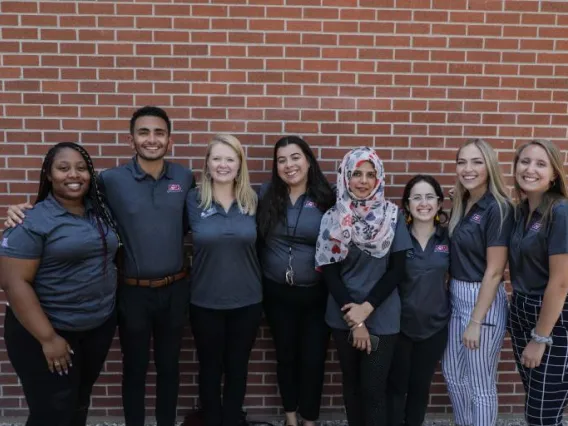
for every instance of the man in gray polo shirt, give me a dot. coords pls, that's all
(147, 199)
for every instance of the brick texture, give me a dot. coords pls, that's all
(412, 78)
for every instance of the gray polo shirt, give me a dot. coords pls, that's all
(479, 229)
(75, 288)
(359, 273)
(225, 270)
(531, 246)
(150, 217)
(425, 301)
(304, 218)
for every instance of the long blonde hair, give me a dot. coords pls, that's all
(495, 185)
(246, 196)
(558, 190)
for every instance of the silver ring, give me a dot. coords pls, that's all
(56, 363)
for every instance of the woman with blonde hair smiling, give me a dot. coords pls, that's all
(538, 261)
(479, 228)
(226, 291)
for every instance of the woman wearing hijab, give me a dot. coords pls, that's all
(361, 250)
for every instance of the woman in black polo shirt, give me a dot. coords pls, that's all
(361, 249)
(425, 303)
(289, 216)
(226, 289)
(479, 228)
(538, 262)
(57, 269)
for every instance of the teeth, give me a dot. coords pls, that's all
(73, 185)
(530, 179)
(469, 177)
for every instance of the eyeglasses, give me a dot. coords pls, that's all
(419, 198)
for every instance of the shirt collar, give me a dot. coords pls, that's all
(525, 209)
(140, 174)
(485, 200)
(58, 210)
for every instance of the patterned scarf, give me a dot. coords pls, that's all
(368, 223)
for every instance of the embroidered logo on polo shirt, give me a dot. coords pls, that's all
(410, 254)
(441, 248)
(476, 218)
(5, 242)
(536, 226)
(310, 204)
(174, 187)
(209, 212)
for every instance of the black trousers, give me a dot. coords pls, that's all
(145, 313)
(296, 319)
(55, 400)
(410, 377)
(365, 379)
(224, 339)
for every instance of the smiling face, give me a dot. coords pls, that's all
(150, 138)
(533, 171)
(471, 169)
(223, 163)
(363, 180)
(423, 203)
(69, 175)
(292, 165)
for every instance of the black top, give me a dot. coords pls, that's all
(479, 229)
(226, 270)
(425, 299)
(149, 214)
(299, 233)
(75, 282)
(533, 243)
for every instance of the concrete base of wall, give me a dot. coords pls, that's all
(329, 420)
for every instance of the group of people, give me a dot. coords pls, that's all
(399, 289)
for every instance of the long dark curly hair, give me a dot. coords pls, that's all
(94, 195)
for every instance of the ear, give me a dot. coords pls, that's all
(170, 143)
(130, 140)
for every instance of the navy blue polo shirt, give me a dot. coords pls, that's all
(425, 299)
(359, 273)
(479, 229)
(75, 282)
(150, 217)
(532, 244)
(304, 218)
(225, 269)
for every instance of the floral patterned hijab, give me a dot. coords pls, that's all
(368, 223)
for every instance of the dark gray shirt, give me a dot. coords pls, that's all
(75, 282)
(225, 270)
(532, 244)
(425, 301)
(301, 234)
(479, 229)
(150, 217)
(360, 272)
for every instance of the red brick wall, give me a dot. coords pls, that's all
(412, 78)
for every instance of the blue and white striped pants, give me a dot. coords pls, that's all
(546, 385)
(471, 374)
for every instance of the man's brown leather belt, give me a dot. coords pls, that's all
(158, 282)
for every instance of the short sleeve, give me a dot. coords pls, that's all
(402, 239)
(497, 234)
(558, 230)
(22, 242)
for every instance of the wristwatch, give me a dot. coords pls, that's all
(541, 339)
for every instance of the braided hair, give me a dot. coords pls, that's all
(94, 195)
